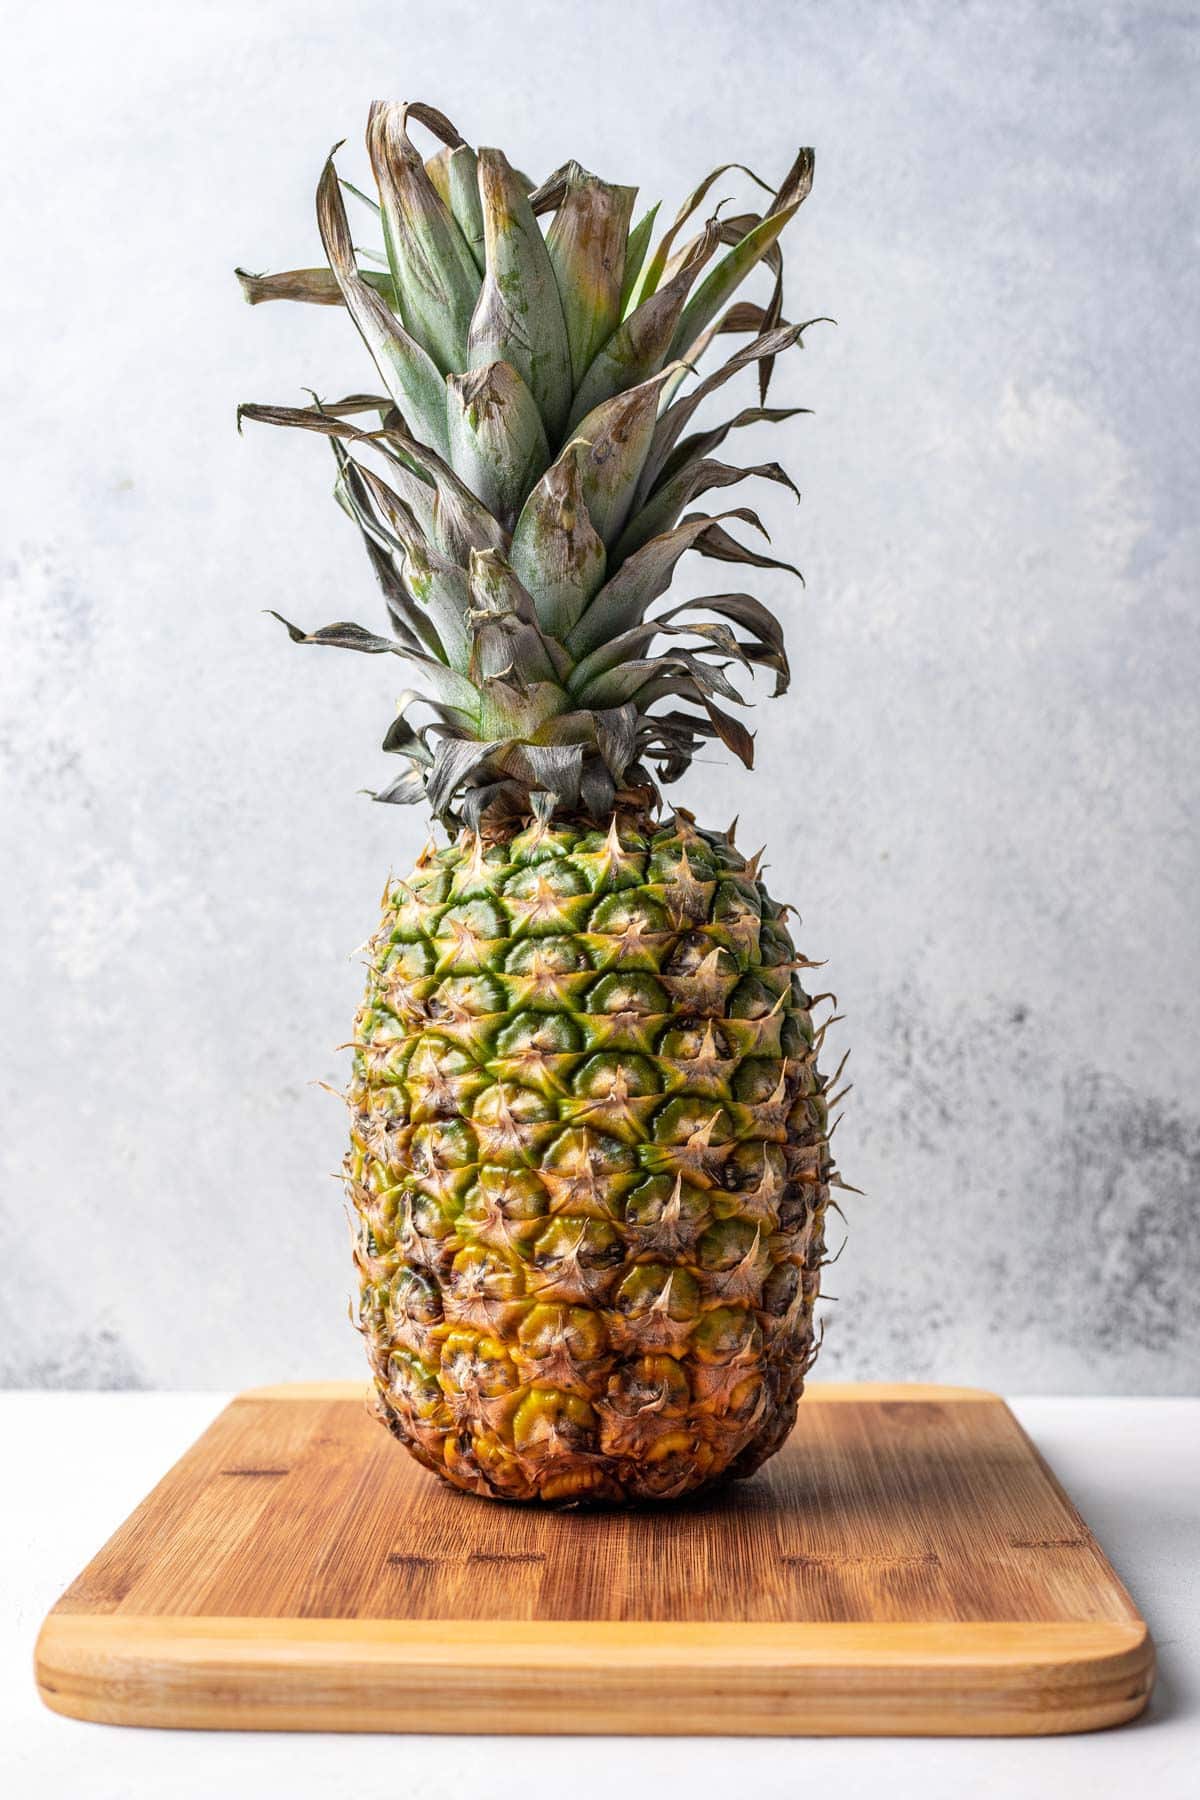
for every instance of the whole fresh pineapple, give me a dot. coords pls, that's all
(589, 1161)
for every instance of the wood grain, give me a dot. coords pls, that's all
(906, 1564)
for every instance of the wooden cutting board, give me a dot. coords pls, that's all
(907, 1564)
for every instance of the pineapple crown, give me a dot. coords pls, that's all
(523, 496)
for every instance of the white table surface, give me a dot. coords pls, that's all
(78, 1463)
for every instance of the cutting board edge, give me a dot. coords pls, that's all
(815, 1392)
(565, 1677)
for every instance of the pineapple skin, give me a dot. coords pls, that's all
(589, 1164)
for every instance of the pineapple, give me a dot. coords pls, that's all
(589, 1158)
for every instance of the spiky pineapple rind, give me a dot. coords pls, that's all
(589, 1164)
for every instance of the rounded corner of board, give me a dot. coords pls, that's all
(1106, 1682)
(58, 1669)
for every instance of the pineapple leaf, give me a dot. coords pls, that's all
(454, 760)
(455, 696)
(638, 347)
(655, 269)
(434, 274)
(732, 733)
(555, 768)
(506, 796)
(497, 439)
(670, 498)
(673, 419)
(448, 512)
(408, 789)
(454, 172)
(366, 200)
(520, 486)
(703, 443)
(399, 607)
(747, 315)
(633, 643)
(616, 737)
(637, 244)
(611, 444)
(717, 543)
(503, 616)
(437, 122)
(556, 550)
(343, 636)
(354, 497)
(622, 602)
(408, 373)
(313, 287)
(586, 242)
(767, 646)
(729, 274)
(440, 587)
(519, 317)
(648, 676)
(402, 738)
(597, 789)
(417, 490)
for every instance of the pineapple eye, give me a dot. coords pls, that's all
(736, 899)
(432, 1213)
(656, 1382)
(755, 1166)
(414, 1298)
(725, 1244)
(473, 919)
(587, 1155)
(774, 945)
(666, 1288)
(695, 951)
(573, 1331)
(446, 1144)
(406, 962)
(757, 1080)
(514, 1194)
(477, 1366)
(796, 1037)
(506, 1101)
(415, 1385)
(752, 999)
(779, 1289)
(688, 1043)
(430, 886)
(593, 1242)
(603, 1075)
(548, 1418)
(692, 1117)
(560, 879)
(724, 1332)
(631, 993)
(477, 996)
(616, 913)
(479, 1273)
(553, 1034)
(794, 1210)
(671, 859)
(546, 955)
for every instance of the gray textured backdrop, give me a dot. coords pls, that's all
(980, 793)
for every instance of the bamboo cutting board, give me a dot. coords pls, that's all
(907, 1564)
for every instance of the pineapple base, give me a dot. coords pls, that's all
(589, 1164)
